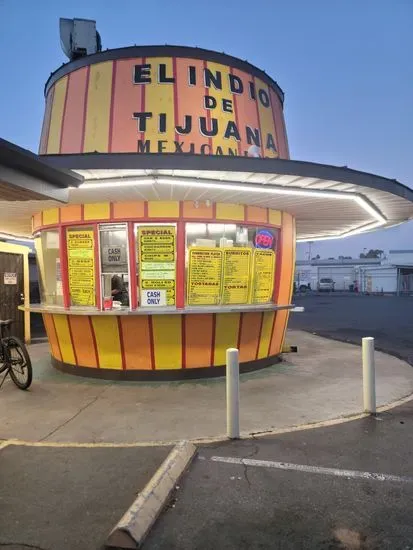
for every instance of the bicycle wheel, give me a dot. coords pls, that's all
(20, 365)
(3, 359)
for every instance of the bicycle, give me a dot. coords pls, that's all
(14, 358)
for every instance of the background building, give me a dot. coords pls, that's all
(391, 274)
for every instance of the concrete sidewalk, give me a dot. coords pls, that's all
(321, 382)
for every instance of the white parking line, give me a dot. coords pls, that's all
(312, 469)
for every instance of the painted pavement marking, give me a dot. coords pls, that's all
(356, 474)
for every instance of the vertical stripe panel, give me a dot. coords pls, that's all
(190, 102)
(163, 209)
(266, 332)
(198, 340)
(226, 335)
(250, 333)
(71, 213)
(197, 210)
(37, 220)
(107, 342)
(98, 107)
(44, 137)
(56, 121)
(128, 209)
(274, 216)
(229, 211)
(96, 211)
(65, 341)
(159, 98)
(136, 342)
(167, 341)
(51, 216)
(246, 110)
(279, 124)
(180, 266)
(287, 259)
(218, 113)
(83, 340)
(294, 252)
(277, 338)
(257, 214)
(266, 121)
(73, 116)
(286, 280)
(52, 336)
(127, 99)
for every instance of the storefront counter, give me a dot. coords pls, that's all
(58, 310)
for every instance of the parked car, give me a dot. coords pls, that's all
(302, 286)
(326, 285)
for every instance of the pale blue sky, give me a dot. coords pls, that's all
(345, 67)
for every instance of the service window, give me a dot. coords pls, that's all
(156, 264)
(114, 263)
(229, 264)
(50, 273)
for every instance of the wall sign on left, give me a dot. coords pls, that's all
(10, 278)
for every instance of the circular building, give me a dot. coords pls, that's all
(180, 242)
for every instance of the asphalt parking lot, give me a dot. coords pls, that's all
(348, 486)
(349, 317)
(69, 498)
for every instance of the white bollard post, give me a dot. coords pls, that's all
(233, 431)
(369, 377)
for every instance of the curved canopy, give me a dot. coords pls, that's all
(327, 201)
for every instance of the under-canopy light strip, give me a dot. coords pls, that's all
(252, 188)
(276, 191)
(116, 183)
(6, 236)
(351, 233)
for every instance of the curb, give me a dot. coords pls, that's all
(133, 527)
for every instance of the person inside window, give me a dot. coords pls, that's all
(119, 292)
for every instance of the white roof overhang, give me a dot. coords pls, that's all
(328, 202)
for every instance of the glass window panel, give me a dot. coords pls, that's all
(219, 272)
(114, 263)
(48, 258)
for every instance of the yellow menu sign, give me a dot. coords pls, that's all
(156, 250)
(236, 275)
(80, 253)
(263, 283)
(204, 276)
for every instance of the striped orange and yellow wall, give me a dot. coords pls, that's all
(161, 342)
(155, 210)
(91, 109)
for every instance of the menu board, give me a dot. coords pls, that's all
(157, 249)
(204, 276)
(263, 283)
(236, 275)
(80, 253)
